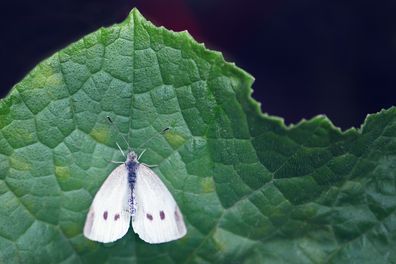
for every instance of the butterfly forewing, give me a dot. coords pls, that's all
(108, 217)
(158, 218)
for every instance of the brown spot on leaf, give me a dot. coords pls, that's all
(105, 215)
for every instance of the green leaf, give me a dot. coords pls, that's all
(251, 189)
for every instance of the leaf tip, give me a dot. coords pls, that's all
(135, 14)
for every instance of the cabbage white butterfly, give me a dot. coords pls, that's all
(134, 191)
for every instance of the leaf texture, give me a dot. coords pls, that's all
(251, 189)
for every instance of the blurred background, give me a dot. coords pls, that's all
(309, 57)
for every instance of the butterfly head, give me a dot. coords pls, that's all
(132, 156)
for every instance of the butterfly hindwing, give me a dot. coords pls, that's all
(158, 218)
(108, 217)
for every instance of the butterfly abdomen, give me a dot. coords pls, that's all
(132, 166)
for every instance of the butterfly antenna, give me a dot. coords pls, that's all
(122, 152)
(148, 140)
(119, 133)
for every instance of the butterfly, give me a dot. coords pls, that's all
(134, 191)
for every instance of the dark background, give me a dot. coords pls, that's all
(309, 57)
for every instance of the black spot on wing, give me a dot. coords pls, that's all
(177, 215)
(116, 217)
(149, 217)
(179, 220)
(162, 215)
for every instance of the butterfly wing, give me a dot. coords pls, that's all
(158, 218)
(108, 217)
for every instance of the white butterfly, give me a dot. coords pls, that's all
(134, 191)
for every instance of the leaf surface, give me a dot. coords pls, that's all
(251, 189)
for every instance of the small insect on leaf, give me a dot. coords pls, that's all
(132, 190)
